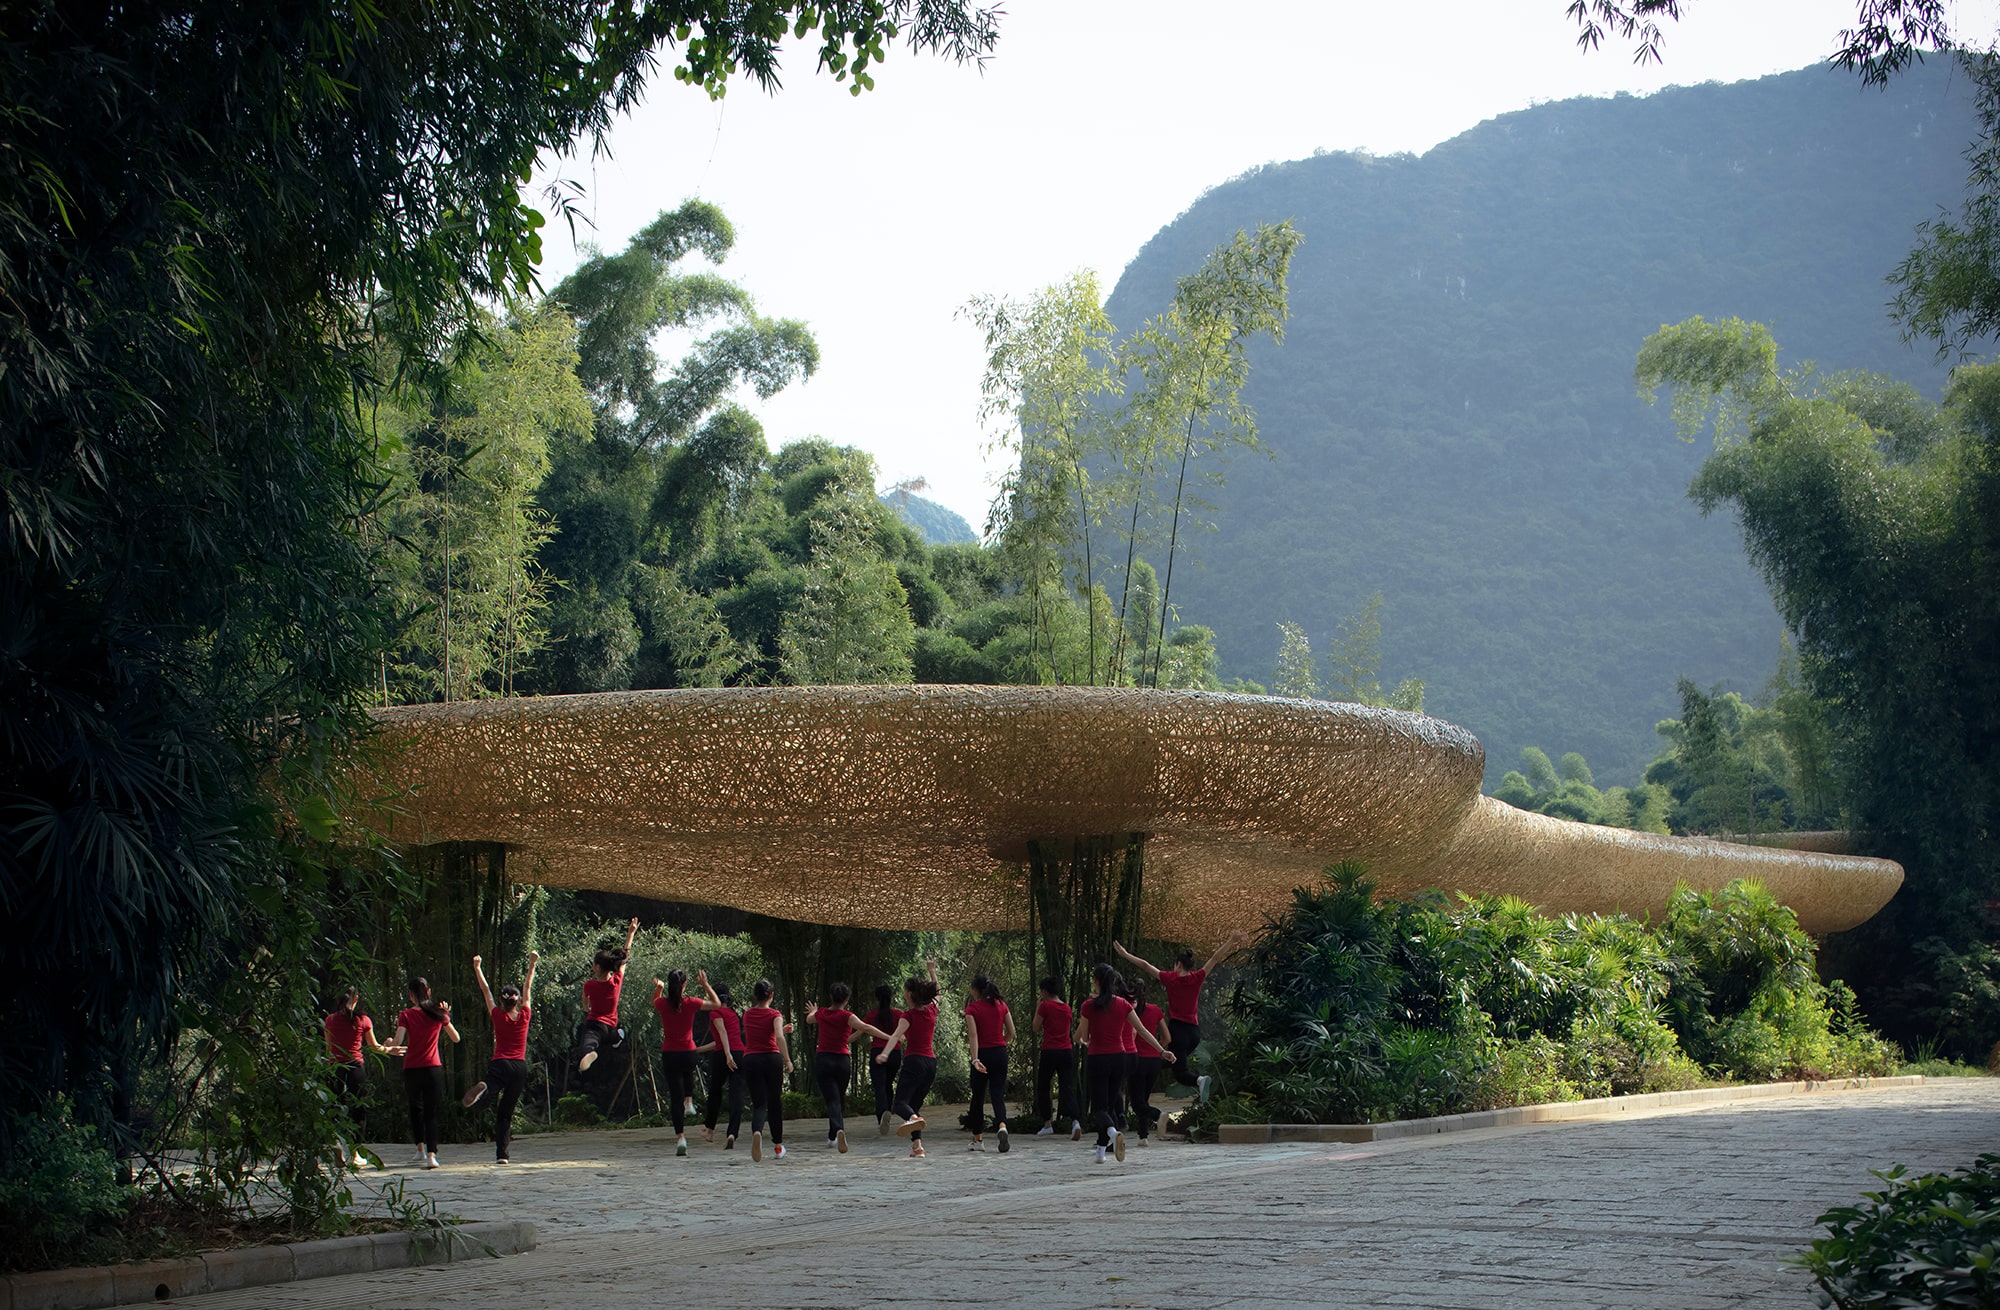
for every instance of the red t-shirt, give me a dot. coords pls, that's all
(923, 1028)
(1149, 1019)
(677, 1025)
(1127, 1039)
(420, 1032)
(510, 1033)
(1056, 1020)
(732, 1028)
(760, 1029)
(834, 1033)
(1106, 1025)
(600, 999)
(989, 1020)
(886, 1021)
(344, 1032)
(1183, 994)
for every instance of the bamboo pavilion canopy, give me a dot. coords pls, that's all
(912, 807)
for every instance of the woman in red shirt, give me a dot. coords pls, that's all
(989, 1031)
(725, 1070)
(1101, 1022)
(1057, 1062)
(346, 1030)
(677, 1053)
(833, 1065)
(766, 1061)
(599, 1030)
(916, 1032)
(507, 1072)
(882, 1073)
(417, 1030)
(1182, 984)
(1145, 1066)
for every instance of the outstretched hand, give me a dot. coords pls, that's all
(475, 961)
(534, 957)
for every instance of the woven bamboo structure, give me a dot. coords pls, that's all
(913, 807)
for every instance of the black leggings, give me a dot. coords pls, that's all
(919, 1072)
(1183, 1037)
(1060, 1067)
(425, 1088)
(593, 1035)
(831, 1072)
(1145, 1074)
(765, 1072)
(993, 1081)
(882, 1077)
(350, 1089)
(678, 1067)
(505, 1081)
(1105, 1076)
(723, 1080)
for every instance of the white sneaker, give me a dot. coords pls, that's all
(430, 1162)
(420, 1159)
(1143, 1141)
(472, 1095)
(882, 1124)
(1118, 1145)
(688, 1107)
(1046, 1130)
(831, 1144)
(1099, 1151)
(978, 1144)
(1201, 1087)
(589, 1058)
(1076, 1130)
(779, 1151)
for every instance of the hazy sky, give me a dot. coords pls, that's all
(875, 218)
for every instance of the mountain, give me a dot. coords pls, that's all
(938, 525)
(1452, 415)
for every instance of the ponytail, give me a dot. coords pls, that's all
(885, 1008)
(1107, 980)
(986, 988)
(839, 992)
(1185, 959)
(922, 990)
(676, 985)
(761, 992)
(420, 992)
(611, 959)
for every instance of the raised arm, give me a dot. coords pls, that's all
(1151, 970)
(930, 967)
(631, 932)
(528, 985)
(479, 976)
(1224, 951)
(714, 997)
(1132, 1017)
(449, 1031)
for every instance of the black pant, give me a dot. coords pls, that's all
(1182, 1038)
(1105, 1075)
(425, 1088)
(882, 1077)
(919, 1072)
(678, 1067)
(593, 1035)
(993, 1081)
(350, 1089)
(723, 1080)
(505, 1081)
(831, 1072)
(765, 1072)
(1145, 1075)
(1059, 1066)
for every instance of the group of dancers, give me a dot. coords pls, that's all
(1126, 1040)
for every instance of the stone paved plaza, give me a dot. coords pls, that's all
(1692, 1209)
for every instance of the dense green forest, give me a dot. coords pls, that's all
(937, 525)
(1451, 420)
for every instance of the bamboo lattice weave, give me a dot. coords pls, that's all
(911, 807)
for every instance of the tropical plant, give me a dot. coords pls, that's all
(1922, 1240)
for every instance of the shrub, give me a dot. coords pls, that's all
(1931, 1240)
(59, 1190)
(577, 1110)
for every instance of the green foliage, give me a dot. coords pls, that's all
(1571, 794)
(1923, 1240)
(59, 1189)
(1451, 417)
(1358, 1010)
(577, 1111)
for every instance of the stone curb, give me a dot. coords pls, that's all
(1603, 1107)
(258, 1266)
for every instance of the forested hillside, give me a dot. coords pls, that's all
(1452, 414)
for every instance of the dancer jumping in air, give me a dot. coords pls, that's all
(599, 1030)
(725, 1068)
(1056, 1062)
(989, 1031)
(1182, 984)
(507, 1073)
(833, 1064)
(916, 1031)
(882, 1073)
(346, 1030)
(677, 1050)
(1145, 1073)
(417, 1030)
(1100, 1023)
(766, 1061)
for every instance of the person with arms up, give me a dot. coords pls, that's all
(677, 1050)
(1182, 984)
(417, 1032)
(507, 1072)
(989, 1030)
(599, 1030)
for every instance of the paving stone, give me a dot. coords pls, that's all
(1693, 1209)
